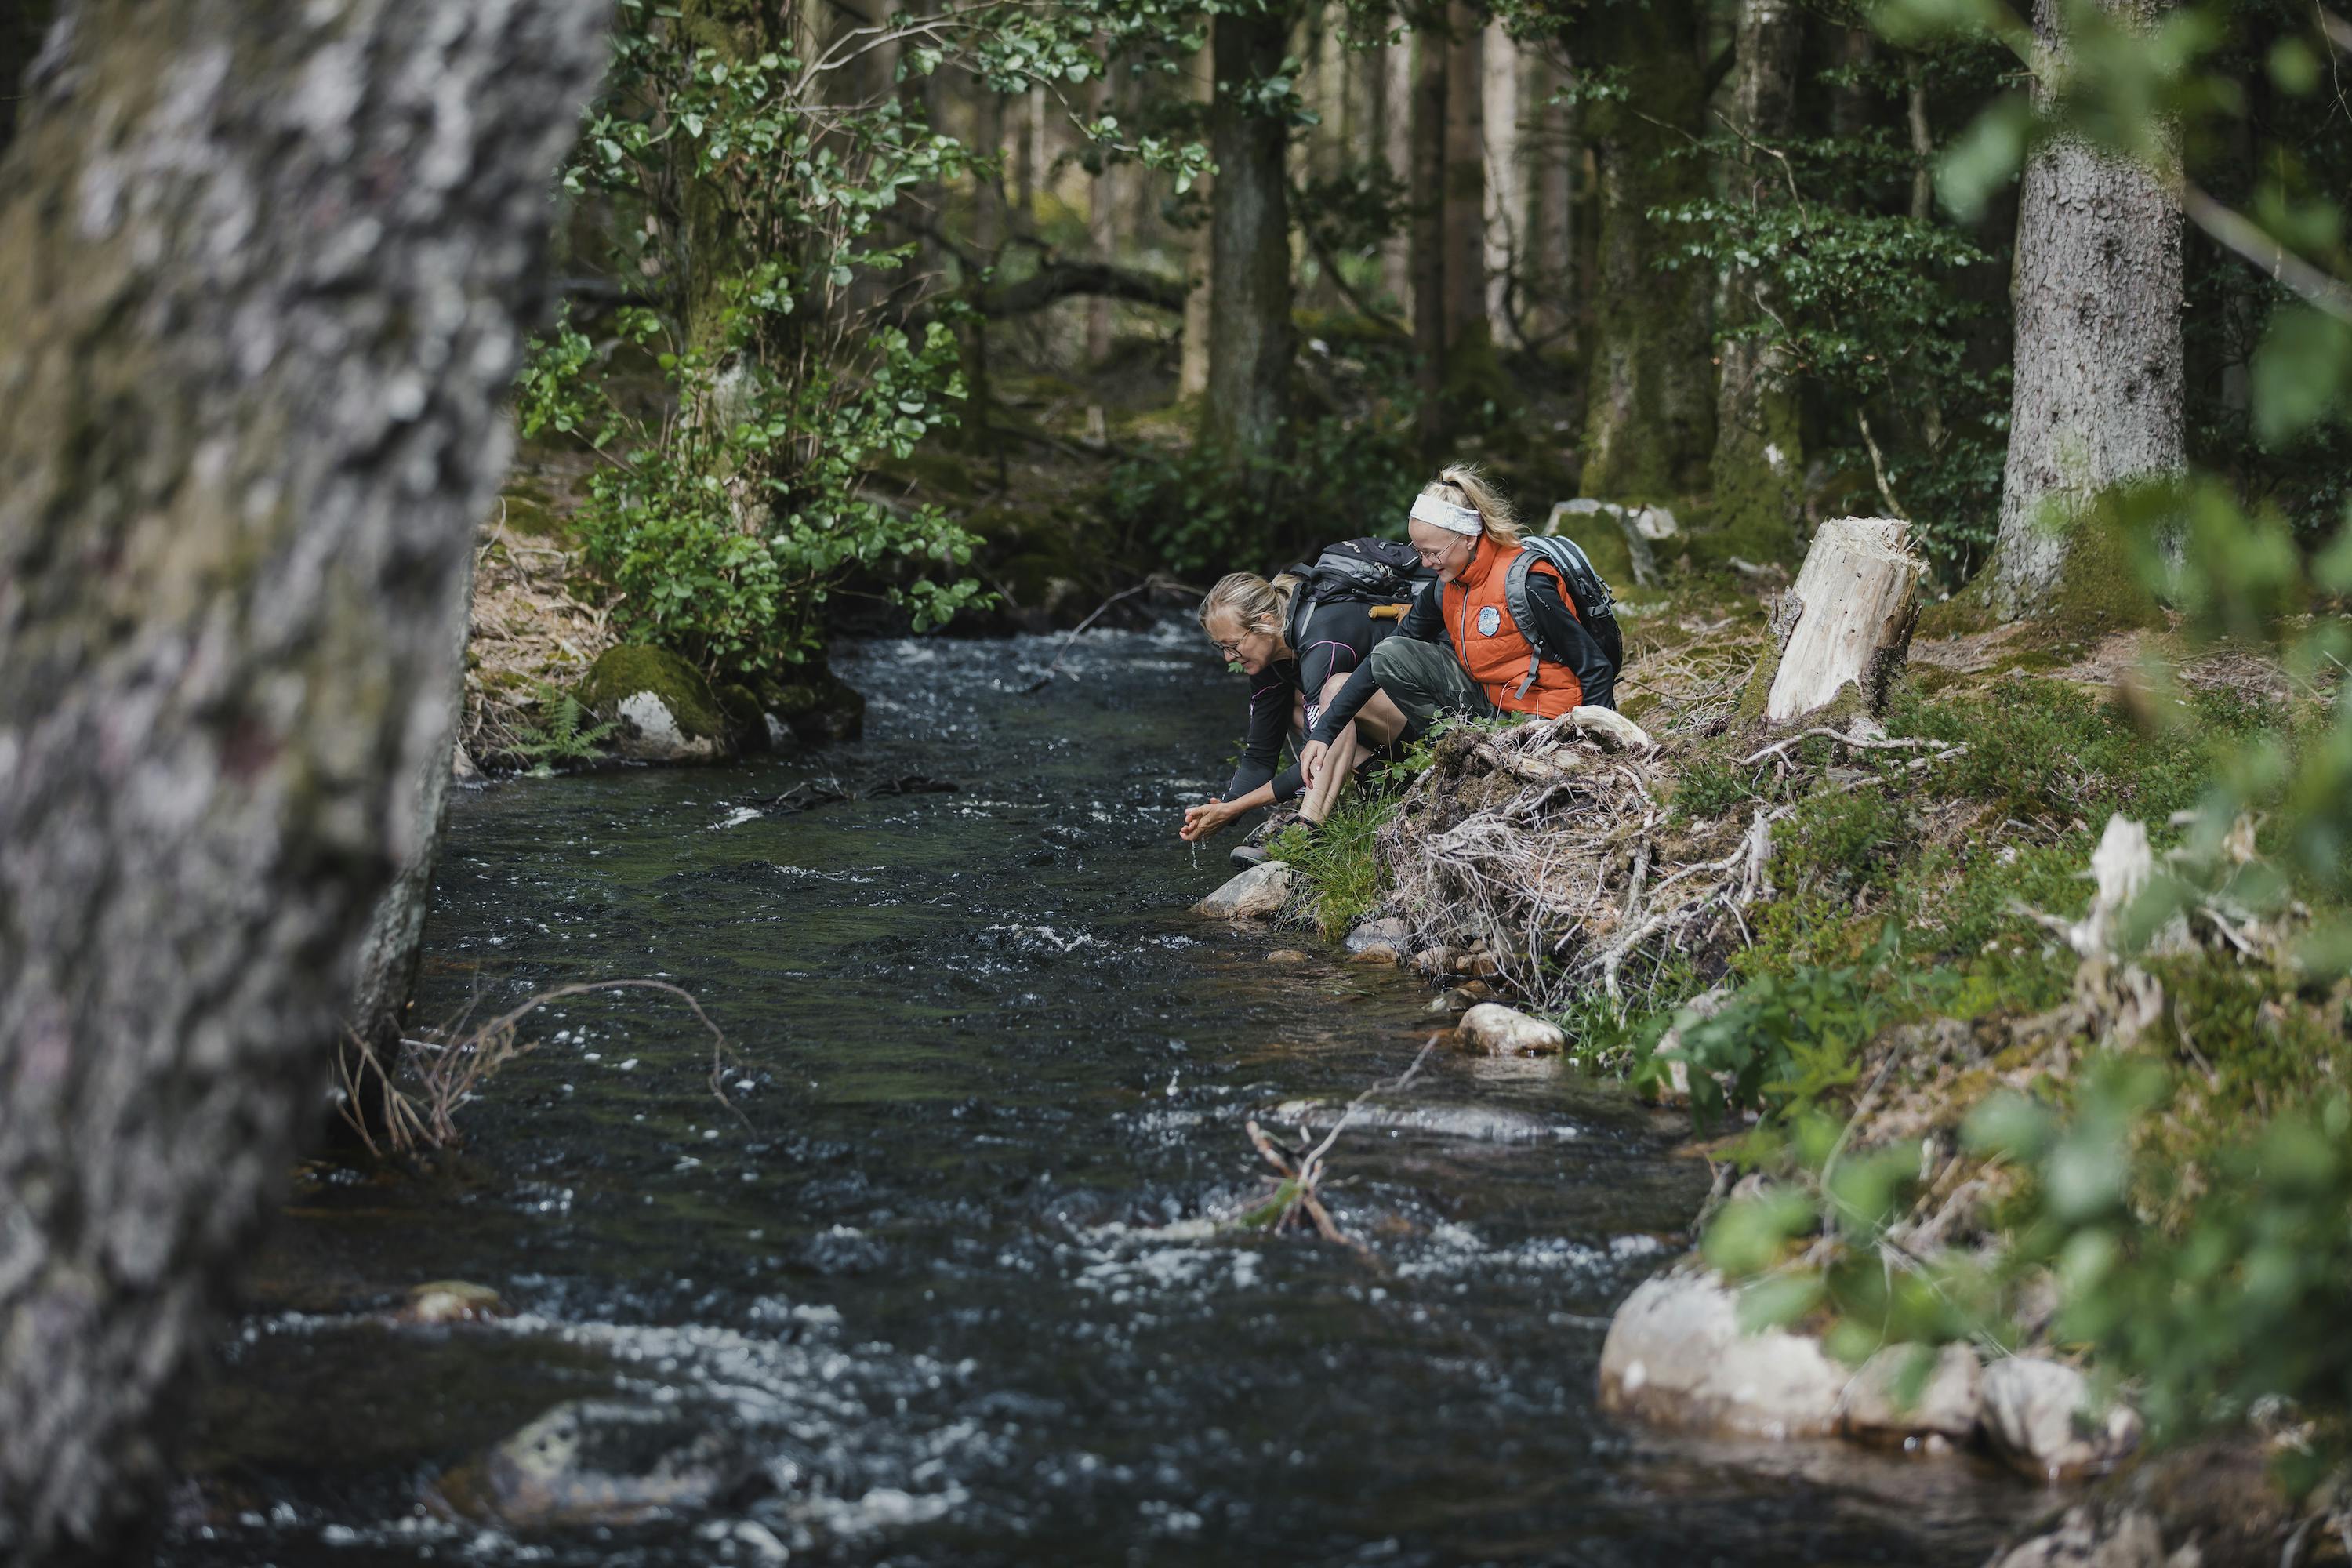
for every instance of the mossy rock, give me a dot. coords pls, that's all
(529, 516)
(817, 706)
(617, 685)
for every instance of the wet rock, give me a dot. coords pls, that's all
(461, 765)
(1676, 1357)
(604, 1462)
(2037, 1418)
(1943, 1413)
(2128, 1538)
(1435, 961)
(1507, 1032)
(1454, 1002)
(1247, 854)
(1286, 956)
(662, 708)
(1390, 932)
(450, 1301)
(815, 706)
(1257, 893)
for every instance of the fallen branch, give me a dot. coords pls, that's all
(1298, 1192)
(1155, 581)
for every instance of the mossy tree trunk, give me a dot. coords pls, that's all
(2096, 395)
(1649, 426)
(261, 272)
(1193, 369)
(23, 25)
(1465, 240)
(722, 236)
(1427, 188)
(1757, 467)
(1247, 412)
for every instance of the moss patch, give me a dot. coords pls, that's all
(817, 705)
(622, 672)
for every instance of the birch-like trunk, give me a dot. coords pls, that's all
(2096, 395)
(260, 265)
(1193, 368)
(1507, 178)
(1758, 466)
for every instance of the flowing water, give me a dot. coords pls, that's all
(939, 1262)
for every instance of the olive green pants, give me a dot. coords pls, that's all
(1425, 680)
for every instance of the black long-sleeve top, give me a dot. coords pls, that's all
(1338, 636)
(1557, 630)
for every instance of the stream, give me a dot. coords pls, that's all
(938, 1260)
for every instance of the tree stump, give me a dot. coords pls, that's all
(1847, 621)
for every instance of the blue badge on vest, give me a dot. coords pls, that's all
(1490, 621)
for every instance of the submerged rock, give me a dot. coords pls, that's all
(663, 709)
(2128, 1537)
(1286, 956)
(1507, 1032)
(1471, 1123)
(603, 1462)
(1945, 1409)
(1676, 1357)
(2037, 1417)
(1258, 893)
(450, 1301)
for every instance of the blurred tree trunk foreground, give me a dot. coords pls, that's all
(261, 263)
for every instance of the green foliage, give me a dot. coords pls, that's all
(1786, 1040)
(565, 736)
(1343, 479)
(723, 524)
(1340, 864)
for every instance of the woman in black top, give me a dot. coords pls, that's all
(1248, 619)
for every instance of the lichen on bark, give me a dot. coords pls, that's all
(261, 264)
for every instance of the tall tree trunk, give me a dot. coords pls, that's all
(1102, 228)
(260, 276)
(1758, 462)
(393, 947)
(1428, 192)
(1394, 140)
(1648, 427)
(1550, 262)
(2096, 395)
(1193, 369)
(1247, 411)
(1506, 179)
(1464, 242)
(1029, 158)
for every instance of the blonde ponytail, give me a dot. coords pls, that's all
(1459, 484)
(1259, 605)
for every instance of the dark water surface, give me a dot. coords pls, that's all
(944, 1264)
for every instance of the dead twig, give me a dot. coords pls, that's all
(1155, 581)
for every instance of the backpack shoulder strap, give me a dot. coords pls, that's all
(1515, 599)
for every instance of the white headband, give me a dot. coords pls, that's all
(1444, 514)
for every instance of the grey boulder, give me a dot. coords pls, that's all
(1676, 1357)
(1258, 893)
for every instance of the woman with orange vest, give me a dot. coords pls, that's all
(1460, 649)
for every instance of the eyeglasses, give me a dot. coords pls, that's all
(1230, 649)
(1432, 557)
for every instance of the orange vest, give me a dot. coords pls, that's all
(1489, 643)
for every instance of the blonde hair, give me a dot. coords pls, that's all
(1258, 605)
(1459, 484)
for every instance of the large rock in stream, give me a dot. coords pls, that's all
(1676, 1357)
(1258, 893)
(1503, 1031)
(2038, 1415)
(661, 708)
(604, 1462)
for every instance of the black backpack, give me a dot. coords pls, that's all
(1595, 606)
(1368, 570)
